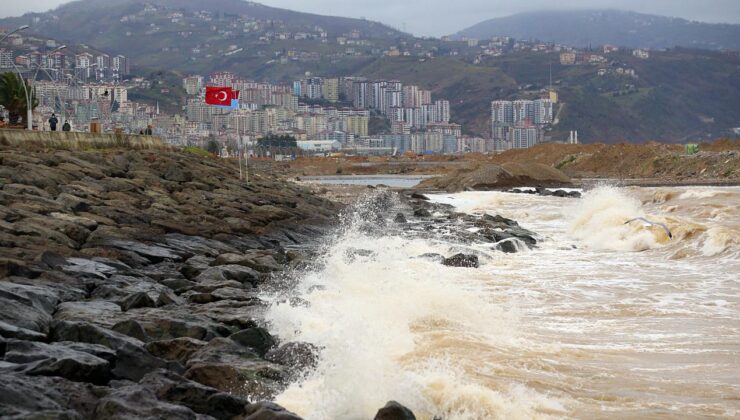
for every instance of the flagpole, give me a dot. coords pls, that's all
(239, 146)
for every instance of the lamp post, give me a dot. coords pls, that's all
(18, 29)
(29, 107)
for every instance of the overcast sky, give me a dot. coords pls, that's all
(442, 17)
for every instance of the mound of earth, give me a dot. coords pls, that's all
(492, 177)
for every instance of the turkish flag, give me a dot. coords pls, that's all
(219, 95)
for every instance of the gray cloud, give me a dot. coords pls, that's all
(441, 17)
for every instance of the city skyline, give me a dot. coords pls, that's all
(437, 18)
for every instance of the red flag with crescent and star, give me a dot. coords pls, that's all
(221, 96)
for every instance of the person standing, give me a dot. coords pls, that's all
(53, 122)
(148, 131)
(66, 126)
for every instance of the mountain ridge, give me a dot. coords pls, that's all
(582, 28)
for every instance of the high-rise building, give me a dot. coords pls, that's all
(542, 111)
(523, 110)
(120, 65)
(6, 59)
(502, 112)
(524, 135)
(330, 90)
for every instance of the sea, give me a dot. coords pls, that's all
(601, 319)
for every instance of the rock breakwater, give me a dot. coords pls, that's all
(129, 280)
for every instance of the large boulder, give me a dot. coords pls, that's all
(23, 396)
(230, 367)
(58, 360)
(394, 411)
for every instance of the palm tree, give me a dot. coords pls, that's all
(13, 96)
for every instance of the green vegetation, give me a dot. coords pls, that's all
(213, 147)
(13, 96)
(198, 151)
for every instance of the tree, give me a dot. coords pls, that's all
(13, 96)
(213, 147)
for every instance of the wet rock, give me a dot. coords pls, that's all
(258, 260)
(268, 411)
(153, 253)
(400, 218)
(508, 246)
(98, 312)
(394, 411)
(39, 397)
(462, 260)
(137, 300)
(419, 196)
(132, 360)
(257, 339)
(230, 367)
(423, 213)
(58, 360)
(178, 285)
(432, 257)
(173, 388)
(524, 235)
(194, 266)
(225, 273)
(176, 349)
(11, 331)
(297, 356)
(498, 219)
(135, 402)
(24, 316)
(131, 328)
(88, 267)
(233, 293)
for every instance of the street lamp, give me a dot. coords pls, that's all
(29, 107)
(18, 29)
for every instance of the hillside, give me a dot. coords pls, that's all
(678, 95)
(598, 27)
(192, 35)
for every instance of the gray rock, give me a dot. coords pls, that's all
(394, 411)
(39, 397)
(138, 300)
(136, 402)
(257, 339)
(131, 328)
(82, 266)
(176, 349)
(230, 367)
(202, 399)
(268, 411)
(11, 331)
(24, 316)
(58, 360)
(225, 273)
(462, 260)
(99, 312)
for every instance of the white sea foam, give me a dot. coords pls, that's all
(581, 326)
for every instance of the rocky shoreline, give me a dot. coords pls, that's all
(130, 281)
(129, 285)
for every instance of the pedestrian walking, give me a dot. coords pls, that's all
(53, 122)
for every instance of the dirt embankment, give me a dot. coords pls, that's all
(715, 161)
(489, 176)
(718, 161)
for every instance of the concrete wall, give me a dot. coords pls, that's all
(78, 141)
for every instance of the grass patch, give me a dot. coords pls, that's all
(197, 151)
